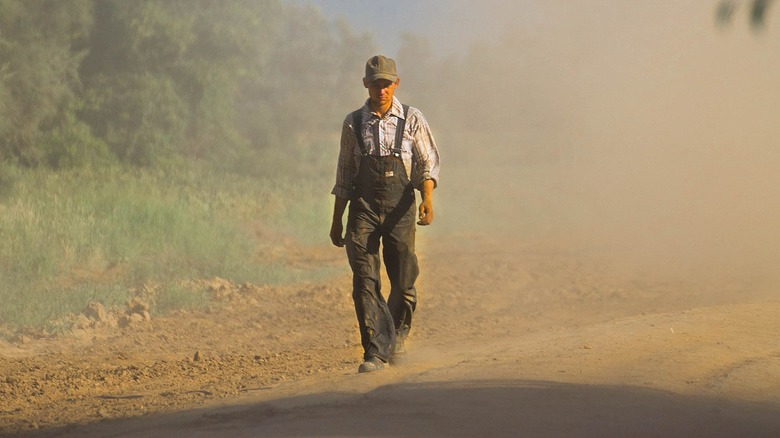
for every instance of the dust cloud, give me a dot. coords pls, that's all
(642, 134)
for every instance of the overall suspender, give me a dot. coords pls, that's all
(357, 123)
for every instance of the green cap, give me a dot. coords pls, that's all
(380, 67)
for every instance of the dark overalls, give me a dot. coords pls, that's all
(382, 208)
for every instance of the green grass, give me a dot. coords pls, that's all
(181, 297)
(78, 236)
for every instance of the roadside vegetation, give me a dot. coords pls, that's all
(77, 236)
(145, 143)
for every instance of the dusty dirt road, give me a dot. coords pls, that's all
(509, 340)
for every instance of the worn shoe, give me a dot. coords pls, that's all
(371, 365)
(399, 351)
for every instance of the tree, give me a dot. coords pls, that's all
(150, 81)
(212, 80)
(757, 11)
(41, 45)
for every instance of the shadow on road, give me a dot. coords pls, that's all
(476, 408)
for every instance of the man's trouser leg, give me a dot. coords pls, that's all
(377, 332)
(402, 270)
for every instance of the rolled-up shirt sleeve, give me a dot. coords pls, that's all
(345, 169)
(425, 154)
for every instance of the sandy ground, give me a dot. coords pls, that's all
(509, 340)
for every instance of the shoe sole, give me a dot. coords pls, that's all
(370, 367)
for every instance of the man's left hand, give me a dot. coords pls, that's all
(426, 213)
(426, 206)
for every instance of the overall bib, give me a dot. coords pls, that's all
(382, 209)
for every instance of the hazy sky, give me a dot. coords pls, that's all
(447, 23)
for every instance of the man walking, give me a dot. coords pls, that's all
(387, 151)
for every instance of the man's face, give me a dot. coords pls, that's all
(381, 91)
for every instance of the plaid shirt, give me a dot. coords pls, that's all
(418, 151)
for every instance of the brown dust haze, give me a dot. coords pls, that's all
(639, 133)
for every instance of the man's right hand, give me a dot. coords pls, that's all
(337, 226)
(337, 234)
